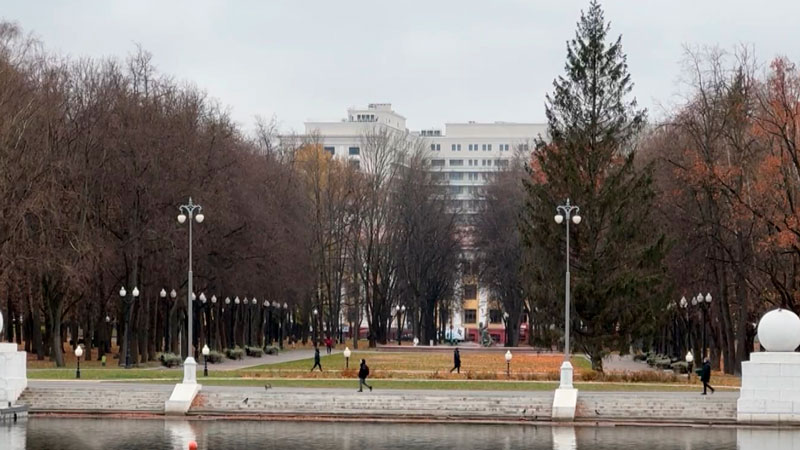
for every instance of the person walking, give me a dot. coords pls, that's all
(456, 361)
(705, 376)
(328, 344)
(316, 360)
(363, 373)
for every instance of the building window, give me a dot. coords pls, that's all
(473, 176)
(458, 147)
(470, 316)
(495, 316)
(437, 176)
(456, 176)
(470, 291)
(501, 163)
(470, 147)
(437, 162)
(490, 147)
(453, 147)
(484, 147)
(438, 147)
(354, 151)
(456, 162)
(331, 150)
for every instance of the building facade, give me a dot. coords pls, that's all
(463, 157)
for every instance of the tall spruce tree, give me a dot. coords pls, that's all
(616, 251)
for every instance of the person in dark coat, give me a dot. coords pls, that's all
(328, 345)
(363, 373)
(456, 361)
(705, 376)
(316, 360)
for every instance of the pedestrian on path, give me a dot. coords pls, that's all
(363, 373)
(328, 344)
(316, 360)
(456, 361)
(705, 376)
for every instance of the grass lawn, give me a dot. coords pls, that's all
(460, 385)
(436, 362)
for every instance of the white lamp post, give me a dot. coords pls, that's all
(206, 351)
(347, 357)
(78, 354)
(689, 361)
(508, 363)
(566, 212)
(193, 212)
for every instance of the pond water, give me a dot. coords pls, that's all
(152, 434)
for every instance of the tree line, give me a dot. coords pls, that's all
(96, 156)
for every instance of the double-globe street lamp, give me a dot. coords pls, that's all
(704, 303)
(400, 310)
(565, 213)
(206, 351)
(124, 295)
(192, 211)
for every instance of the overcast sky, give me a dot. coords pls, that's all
(435, 61)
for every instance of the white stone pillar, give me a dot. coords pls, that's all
(13, 373)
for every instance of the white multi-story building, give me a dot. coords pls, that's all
(463, 155)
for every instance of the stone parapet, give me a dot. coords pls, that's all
(655, 407)
(13, 373)
(770, 388)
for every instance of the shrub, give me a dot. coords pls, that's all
(271, 350)
(254, 351)
(680, 367)
(215, 357)
(234, 353)
(169, 359)
(640, 357)
(663, 363)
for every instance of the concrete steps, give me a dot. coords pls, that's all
(643, 407)
(86, 399)
(368, 405)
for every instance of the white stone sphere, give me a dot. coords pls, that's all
(779, 331)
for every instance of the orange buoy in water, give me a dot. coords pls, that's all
(192, 445)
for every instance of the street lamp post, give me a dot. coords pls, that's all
(347, 357)
(566, 212)
(705, 303)
(212, 318)
(269, 321)
(124, 294)
(206, 351)
(505, 325)
(508, 363)
(283, 314)
(78, 354)
(689, 361)
(400, 315)
(193, 212)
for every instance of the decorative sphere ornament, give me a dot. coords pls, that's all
(779, 331)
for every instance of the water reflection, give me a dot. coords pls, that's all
(111, 434)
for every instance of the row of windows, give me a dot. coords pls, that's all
(355, 151)
(477, 147)
(470, 162)
(460, 176)
(436, 147)
(471, 190)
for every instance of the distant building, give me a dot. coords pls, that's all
(463, 156)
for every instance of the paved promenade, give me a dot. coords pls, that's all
(89, 397)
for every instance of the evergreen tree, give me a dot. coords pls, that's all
(616, 252)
